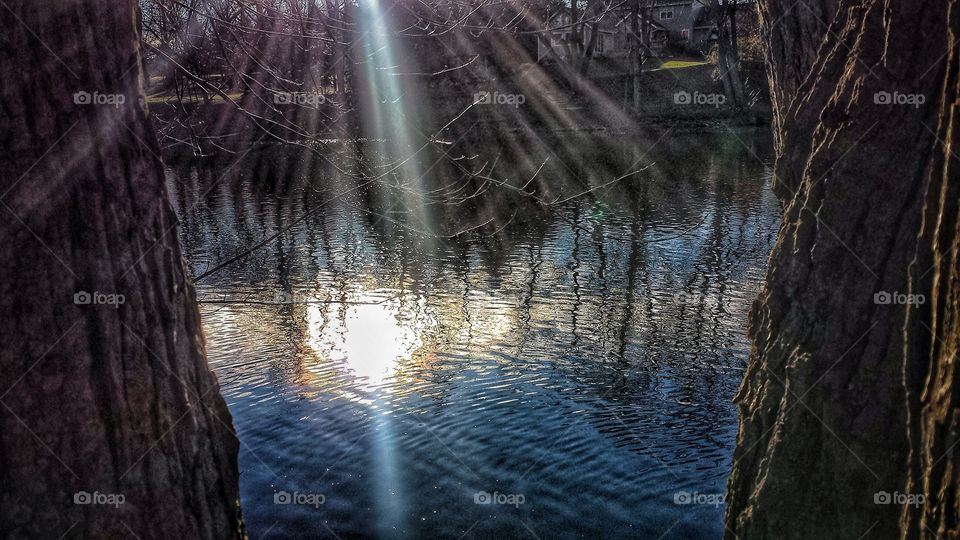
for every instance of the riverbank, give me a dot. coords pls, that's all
(675, 94)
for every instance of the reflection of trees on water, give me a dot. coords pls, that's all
(588, 289)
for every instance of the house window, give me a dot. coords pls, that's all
(666, 13)
(685, 34)
(600, 44)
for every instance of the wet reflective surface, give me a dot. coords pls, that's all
(556, 373)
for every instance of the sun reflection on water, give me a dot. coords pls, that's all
(370, 339)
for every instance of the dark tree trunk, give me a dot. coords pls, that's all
(588, 52)
(793, 34)
(727, 55)
(98, 403)
(575, 44)
(635, 63)
(849, 402)
(734, 37)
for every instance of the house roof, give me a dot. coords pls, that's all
(610, 19)
(606, 20)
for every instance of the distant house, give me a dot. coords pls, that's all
(559, 37)
(684, 23)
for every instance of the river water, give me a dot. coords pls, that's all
(560, 372)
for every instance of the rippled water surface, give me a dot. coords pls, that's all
(573, 366)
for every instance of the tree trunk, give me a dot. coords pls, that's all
(635, 64)
(113, 425)
(849, 406)
(588, 53)
(734, 37)
(575, 43)
(727, 55)
(794, 32)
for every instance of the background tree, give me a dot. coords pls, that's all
(728, 61)
(97, 400)
(850, 398)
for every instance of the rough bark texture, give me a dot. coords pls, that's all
(933, 349)
(793, 32)
(109, 401)
(846, 399)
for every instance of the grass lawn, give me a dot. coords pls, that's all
(680, 64)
